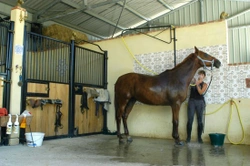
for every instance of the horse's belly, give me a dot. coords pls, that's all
(152, 99)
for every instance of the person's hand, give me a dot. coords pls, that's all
(193, 81)
(198, 82)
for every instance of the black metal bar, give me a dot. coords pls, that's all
(162, 26)
(24, 86)
(174, 38)
(172, 28)
(91, 43)
(9, 65)
(105, 72)
(89, 85)
(46, 37)
(71, 116)
(6, 52)
(166, 26)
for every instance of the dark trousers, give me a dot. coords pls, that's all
(198, 107)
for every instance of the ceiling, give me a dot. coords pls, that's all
(99, 18)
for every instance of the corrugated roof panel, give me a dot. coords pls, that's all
(237, 7)
(77, 18)
(105, 9)
(214, 12)
(92, 2)
(95, 26)
(79, 2)
(128, 19)
(113, 14)
(38, 4)
(147, 8)
(187, 15)
(60, 7)
(176, 3)
(92, 23)
(101, 14)
(110, 13)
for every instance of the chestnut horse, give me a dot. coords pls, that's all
(168, 88)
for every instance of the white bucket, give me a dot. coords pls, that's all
(37, 139)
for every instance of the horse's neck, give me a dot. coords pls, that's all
(186, 69)
(189, 67)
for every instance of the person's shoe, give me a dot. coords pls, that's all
(188, 140)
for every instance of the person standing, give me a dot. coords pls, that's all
(196, 104)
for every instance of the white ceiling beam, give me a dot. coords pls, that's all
(134, 11)
(47, 7)
(238, 14)
(107, 2)
(103, 19)
(89, 12)
(77, 8)
(62, 14)
(165, 5)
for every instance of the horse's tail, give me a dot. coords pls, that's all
(116, 106)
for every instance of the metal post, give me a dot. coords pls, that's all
(24, 86)
(174, 38)
(8, 65)
(105, 74)
(71, 116)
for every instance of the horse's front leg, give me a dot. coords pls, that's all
(175, 132)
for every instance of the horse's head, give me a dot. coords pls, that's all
(207, 60)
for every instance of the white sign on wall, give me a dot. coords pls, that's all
(18, 49)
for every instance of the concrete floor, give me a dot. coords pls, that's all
(105, 150)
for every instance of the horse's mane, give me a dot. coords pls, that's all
(190, 58)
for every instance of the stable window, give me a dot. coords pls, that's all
(239, 45)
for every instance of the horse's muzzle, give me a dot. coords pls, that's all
(217, 63)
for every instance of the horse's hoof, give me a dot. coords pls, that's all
(179, 143)
(129, 139)
(121, 140)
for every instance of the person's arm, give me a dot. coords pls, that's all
(199, 89)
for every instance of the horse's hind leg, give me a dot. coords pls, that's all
(128, 109)
(119, 113)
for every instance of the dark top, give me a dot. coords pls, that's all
(194, 94)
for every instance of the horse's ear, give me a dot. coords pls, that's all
(196, 49)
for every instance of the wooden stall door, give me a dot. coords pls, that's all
(88, 122)
(44, 119)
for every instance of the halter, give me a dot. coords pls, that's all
(205, 67)
(204, 63)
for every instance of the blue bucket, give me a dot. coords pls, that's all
(217, 139)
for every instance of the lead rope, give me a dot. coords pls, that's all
(203, 118)
(209, 83)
